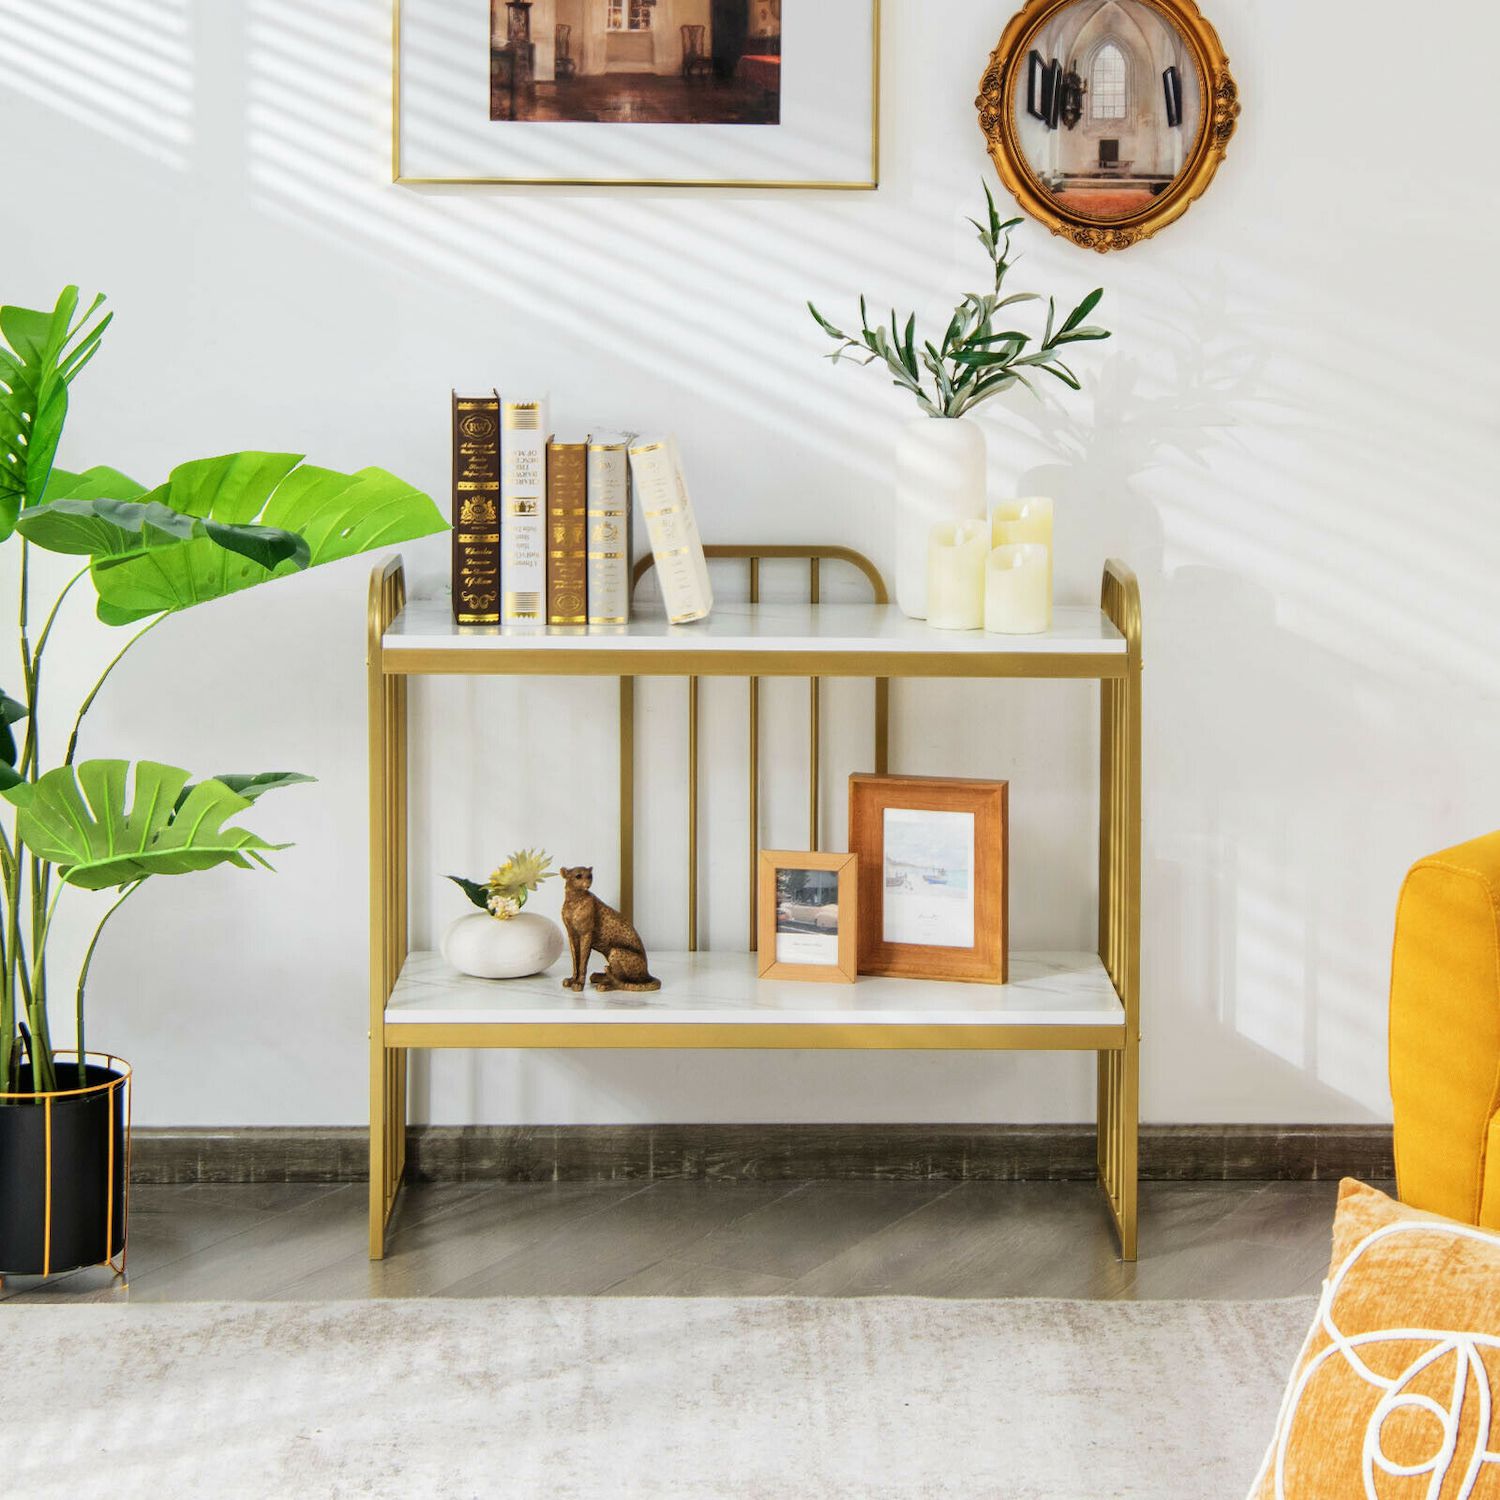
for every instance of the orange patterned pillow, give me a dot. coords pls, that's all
(1397, 1390)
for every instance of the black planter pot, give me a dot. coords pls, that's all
(63, 1177)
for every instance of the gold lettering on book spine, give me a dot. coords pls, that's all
(476, 492)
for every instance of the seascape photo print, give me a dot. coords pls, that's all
(929, 878)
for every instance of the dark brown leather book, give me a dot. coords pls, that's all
(567, 533)
(476, 509)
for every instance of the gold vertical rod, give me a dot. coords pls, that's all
(47, 1186)
(814, 715)
(387, 887)
(125, 1205)
(109, 1178)
(627, 798)
(882, 725)
(1120, 907)
(692, 814)
(754, 771)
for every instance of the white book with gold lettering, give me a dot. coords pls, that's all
(681, 569)
(523, 511)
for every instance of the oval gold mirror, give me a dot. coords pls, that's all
(1107, 118)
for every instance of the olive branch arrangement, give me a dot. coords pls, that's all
(974, 361)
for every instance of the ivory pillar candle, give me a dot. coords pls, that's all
(1017, 600)
(1027, 520)
(955, 575)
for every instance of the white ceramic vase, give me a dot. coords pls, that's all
(488, 948)
(939, 477)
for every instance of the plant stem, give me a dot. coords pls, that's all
(88, 702)
(43, 1073)
(83, 979)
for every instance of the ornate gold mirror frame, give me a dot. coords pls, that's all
(1000, 105)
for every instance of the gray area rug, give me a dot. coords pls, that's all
(751, 1398)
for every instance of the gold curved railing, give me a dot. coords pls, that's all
(753, 556)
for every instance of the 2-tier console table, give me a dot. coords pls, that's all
(1054, 1001)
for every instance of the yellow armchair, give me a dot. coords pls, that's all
(1445, 1033)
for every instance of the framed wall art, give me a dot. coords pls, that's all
(933, 857)
(672, 93)
(1143, 107)
(808, 916)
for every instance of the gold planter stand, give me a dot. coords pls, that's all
(118, 1092)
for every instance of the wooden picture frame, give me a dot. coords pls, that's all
(1164, 167)
(917, 918)
(789, 933)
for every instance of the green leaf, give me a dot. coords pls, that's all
(254, 786)
(1083, 309)
(74, 817)
(239, 495)
(115, 529)
(99, 483)
(9, 777)
(984, 356)
(41, 354)
(475, 890)
(825, 325)
(1078, 335)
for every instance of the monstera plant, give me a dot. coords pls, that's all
(99, 829)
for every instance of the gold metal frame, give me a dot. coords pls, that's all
(668, 182)
(997, 119)
(119, 1089)
(1119, 677)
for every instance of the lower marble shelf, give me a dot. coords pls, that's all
(716, 999)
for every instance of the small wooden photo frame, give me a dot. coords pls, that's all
(808, 922)
(934, 876)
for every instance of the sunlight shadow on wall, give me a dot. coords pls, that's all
(125, 70)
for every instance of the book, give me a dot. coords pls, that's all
(609, 528)
(681, 568)
(567, 533)
(476, 509)
(523, 503)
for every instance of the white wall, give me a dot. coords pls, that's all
(1292, 438)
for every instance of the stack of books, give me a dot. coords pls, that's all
(542, 527)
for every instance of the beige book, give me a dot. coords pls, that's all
(523, 496)
(681, 568)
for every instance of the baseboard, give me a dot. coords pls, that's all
(644, 1153)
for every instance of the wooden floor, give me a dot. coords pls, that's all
(691, 1239)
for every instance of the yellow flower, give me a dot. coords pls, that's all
(526, 869)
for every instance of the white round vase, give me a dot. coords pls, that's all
(939, 477)
(488, 948)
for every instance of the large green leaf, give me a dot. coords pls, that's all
(76, 818)
(118, 529)
(253, 786)
(99, 483)
(336, 515)
(45, 351)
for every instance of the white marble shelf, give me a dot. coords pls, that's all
(847, 629)
(1046, 989)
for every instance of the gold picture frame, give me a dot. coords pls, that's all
(866, 184)
(784, 924)
(1004, 83)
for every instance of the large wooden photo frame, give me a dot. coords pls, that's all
(934, 878)
(1112, 162)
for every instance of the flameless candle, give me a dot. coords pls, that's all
(1029, 519)
(955, 575)
(1016, 598)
